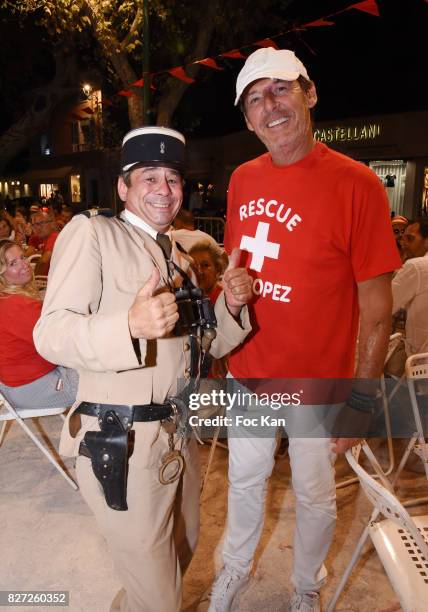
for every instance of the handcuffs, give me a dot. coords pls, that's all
(174, 424)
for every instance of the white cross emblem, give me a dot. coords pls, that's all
(260, 247)
(162, 147)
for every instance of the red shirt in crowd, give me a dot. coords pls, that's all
(48, 244)
(35, 241)
(20, 363)
(310, 232)
(41, 244)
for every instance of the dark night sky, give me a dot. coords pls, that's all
(362, 65)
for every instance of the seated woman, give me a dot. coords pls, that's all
(209, 264)
(26, 379)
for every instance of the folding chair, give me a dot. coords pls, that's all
(394, 342)
(41, 281)
(400, 540)
(214, 443)
(33, 259)
(9, 413)
(416, 370)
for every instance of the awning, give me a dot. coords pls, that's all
(47, 174)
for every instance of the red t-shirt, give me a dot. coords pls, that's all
(312, 231)
(35, 241)
(48, 244)
(20, 363)
(41, 244)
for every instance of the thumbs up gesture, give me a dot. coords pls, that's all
(152, 316)
(237, 284)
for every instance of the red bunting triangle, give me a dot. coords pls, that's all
(140, 83)
(211, 63)
(236, 54)
(125, 93)
(318, 23)
(367, 6)
(266, 42)
(180, 74)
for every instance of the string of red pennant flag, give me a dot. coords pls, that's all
(179, 72)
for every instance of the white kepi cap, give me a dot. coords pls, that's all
(269, 63)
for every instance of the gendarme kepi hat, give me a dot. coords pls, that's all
(269, 63)
(154, 146)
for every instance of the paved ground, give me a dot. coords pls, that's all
(48, 538)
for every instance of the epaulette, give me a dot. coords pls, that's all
(94, 212)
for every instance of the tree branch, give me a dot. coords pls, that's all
(134, 28)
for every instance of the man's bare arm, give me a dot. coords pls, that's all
(375, 301)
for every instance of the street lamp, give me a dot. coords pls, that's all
(87, 90)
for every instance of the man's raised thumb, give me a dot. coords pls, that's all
(149, 288)
(234, 259)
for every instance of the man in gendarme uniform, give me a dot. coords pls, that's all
(316, 227)
(110, 313)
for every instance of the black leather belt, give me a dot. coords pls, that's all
(138, 413)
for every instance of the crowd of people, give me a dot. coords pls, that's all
(301, 281)
(35, 229)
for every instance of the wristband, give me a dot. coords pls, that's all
(362, 402)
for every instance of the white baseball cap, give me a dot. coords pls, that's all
(269, 63)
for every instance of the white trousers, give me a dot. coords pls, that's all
(251, 461)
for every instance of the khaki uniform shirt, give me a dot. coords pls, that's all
(97, 268)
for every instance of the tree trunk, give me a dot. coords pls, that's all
(136, 110)
(175, 88)
(127, 76)
(116, 54)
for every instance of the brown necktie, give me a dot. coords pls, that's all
(165, 244)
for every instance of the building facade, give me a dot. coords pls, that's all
(394, 146)
(69, 157)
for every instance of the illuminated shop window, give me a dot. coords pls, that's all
(392, 173)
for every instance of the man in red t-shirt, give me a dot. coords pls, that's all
(315, 229)
(44, 229)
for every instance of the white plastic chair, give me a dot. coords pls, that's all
(214, 442)
(9, 413)
(41, 281)
(401, 541)
(416, 370)
(33, 259)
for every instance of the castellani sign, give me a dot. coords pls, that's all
(342, 134)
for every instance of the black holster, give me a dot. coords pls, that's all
(109, 451)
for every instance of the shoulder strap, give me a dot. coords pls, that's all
(94, 212)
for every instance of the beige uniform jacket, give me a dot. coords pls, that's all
(97, 268)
